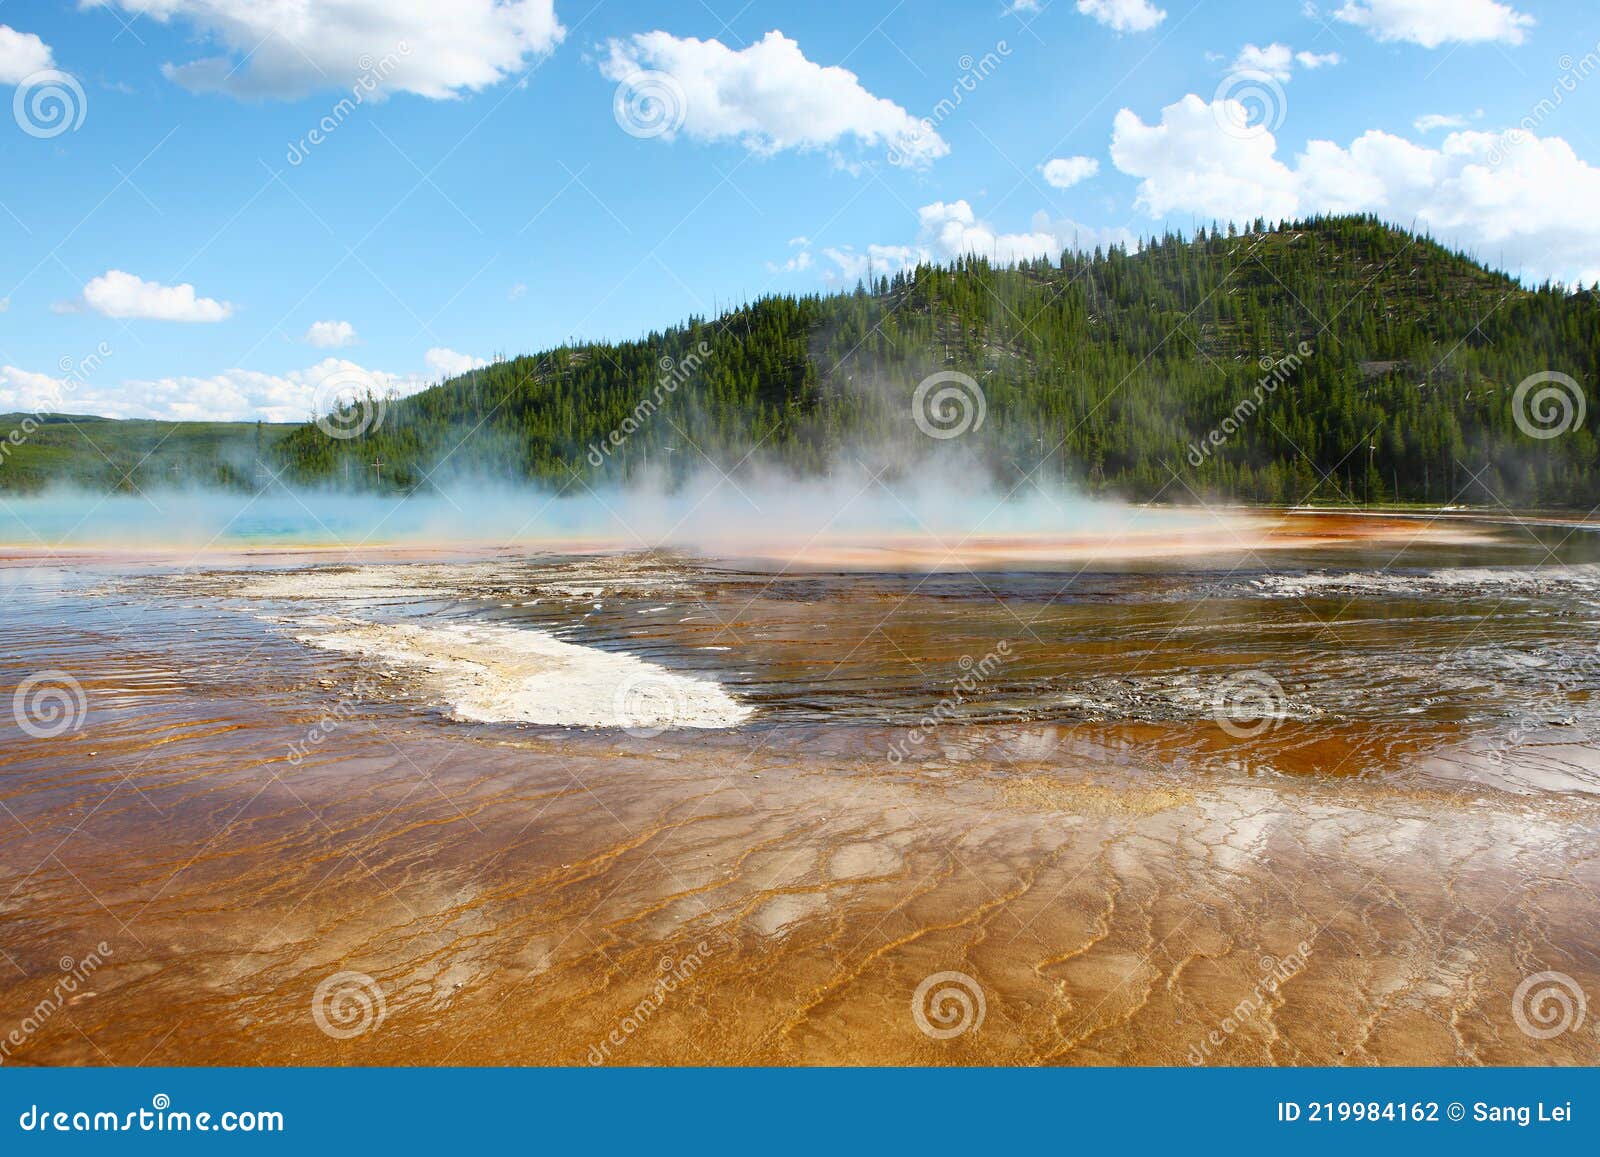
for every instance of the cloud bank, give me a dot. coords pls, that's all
(1529, 197)
(123, 295)
(1123, 15)
(949, 230)
(330, 334)
(1431, 23)
(283, 50)
(1065, 172)
(21, 55)
(767, 97)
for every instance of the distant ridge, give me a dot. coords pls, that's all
(1329, 359)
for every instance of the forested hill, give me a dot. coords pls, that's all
(1371, 364)
(1109, 370)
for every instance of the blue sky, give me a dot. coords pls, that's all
(175, 242)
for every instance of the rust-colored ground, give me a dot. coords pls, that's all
(1121, 881)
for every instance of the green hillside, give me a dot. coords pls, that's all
(1346, 359)
(103, 455)
(1102, 369)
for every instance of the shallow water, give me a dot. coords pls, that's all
(1348, 784)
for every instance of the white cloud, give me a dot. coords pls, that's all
(1190, 164)
(118, 294)
(232, 395)
(1276, 60)
(953, 230)
(768, 97)
(24, 392)
(1431, 23)
(1313, 60)
(330, 334)
(1123, 15)
(286, 49)
(21, 55)
(1065, 172)
(1433, 121)
(948, 230)
(447, 363)
(519, 290)
(878, 260)
(1528, 198)
(797, 264)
